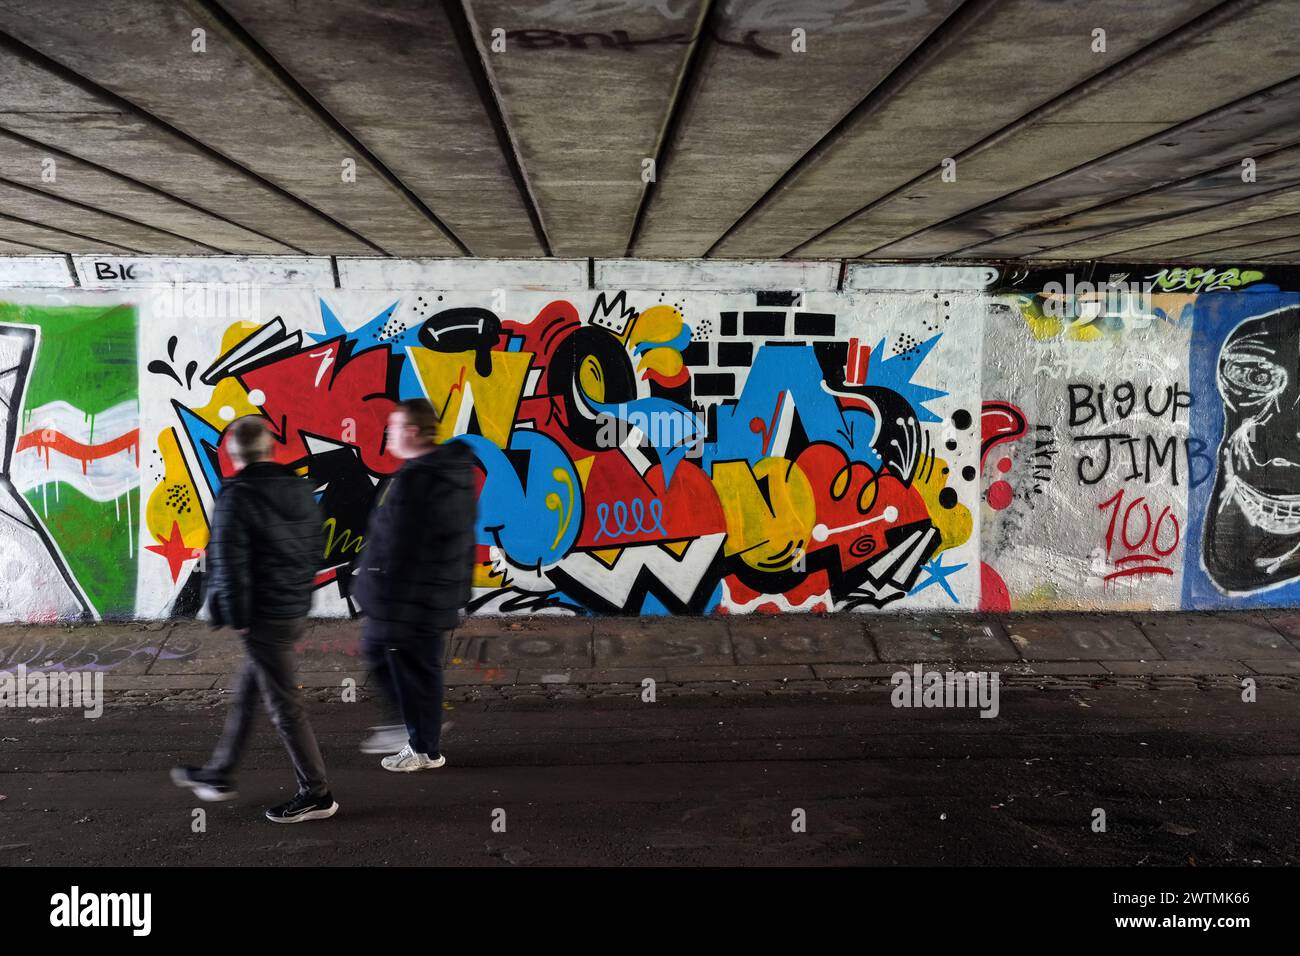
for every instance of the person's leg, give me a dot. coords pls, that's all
(271, 645)
(374, 647)
(421, 683)
(239, 723)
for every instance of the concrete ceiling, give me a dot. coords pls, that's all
(403, 128)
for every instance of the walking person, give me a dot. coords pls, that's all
(267, 544)
(413, 577)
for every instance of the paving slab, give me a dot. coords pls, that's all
(1216, 637)
(623, 642)
(941, 639)
(799, 639)
(1280, 666)
(562, 643)
(116, 682)
(774, 672)
(1058, 669)
(591, 675)
(1079, 637)
(120, 648)
(847, 671)
(1190, 668)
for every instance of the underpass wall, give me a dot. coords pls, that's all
(927, 438)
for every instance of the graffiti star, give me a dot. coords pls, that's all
(938, 574)
(175, 550)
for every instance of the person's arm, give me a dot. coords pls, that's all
(230, 553)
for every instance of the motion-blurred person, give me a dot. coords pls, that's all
(413, 577)
(266, 547)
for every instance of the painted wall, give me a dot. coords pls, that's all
(998, 447)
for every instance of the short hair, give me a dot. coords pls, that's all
(420, 413)
(249, 438)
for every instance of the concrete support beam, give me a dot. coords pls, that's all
(48, 105)
(30, 164)
(1252, 126)
(587, 90)
(1109, 225)
(963, 92)
(1191, 70)
(759, 105)
(32, 204)
(222, 95)
(414, 105)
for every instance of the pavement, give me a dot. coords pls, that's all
(556, 757)
(818, 651)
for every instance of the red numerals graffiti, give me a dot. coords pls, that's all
(1144, 541)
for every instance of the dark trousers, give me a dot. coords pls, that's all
(407, 662)
(267, 672)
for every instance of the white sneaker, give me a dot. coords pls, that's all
(385, 739)
(407, 760)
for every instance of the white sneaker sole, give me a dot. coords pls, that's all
(203, 791)
(332, 809)
(411, 768)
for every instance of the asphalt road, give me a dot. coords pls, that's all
(1183, 775)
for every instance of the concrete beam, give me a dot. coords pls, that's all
(758, 106)
(52, 238)
(31, 164)
(1280, 202)
(586, 89)
(225, 97)
(966, 88)
(1282, 229)
(1192, 70)
(1108, 221)
(49, 105)
(464, 273)
(413, 103)
(1249, 127)
(32, 204)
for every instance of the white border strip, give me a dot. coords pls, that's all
(922, 277)
(471, 274)
(35, 272)
(121, 272)
(717, 275)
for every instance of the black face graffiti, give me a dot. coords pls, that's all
(1252, 526)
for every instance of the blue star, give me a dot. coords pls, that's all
(383, 329)
(938, 574)
(896, 373)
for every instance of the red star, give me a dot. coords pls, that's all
(174, 550)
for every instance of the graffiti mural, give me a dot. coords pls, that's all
(636, 455)
(69, 461)
(1030, 442)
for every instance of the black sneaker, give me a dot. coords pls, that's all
(204, 786)
(302, 808)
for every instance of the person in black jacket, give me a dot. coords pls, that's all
(413, 575)
(267, 544)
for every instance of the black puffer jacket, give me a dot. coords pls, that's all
(416, 564)
(267, 545)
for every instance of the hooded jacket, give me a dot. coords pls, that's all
(416, 563)
(267, 545)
